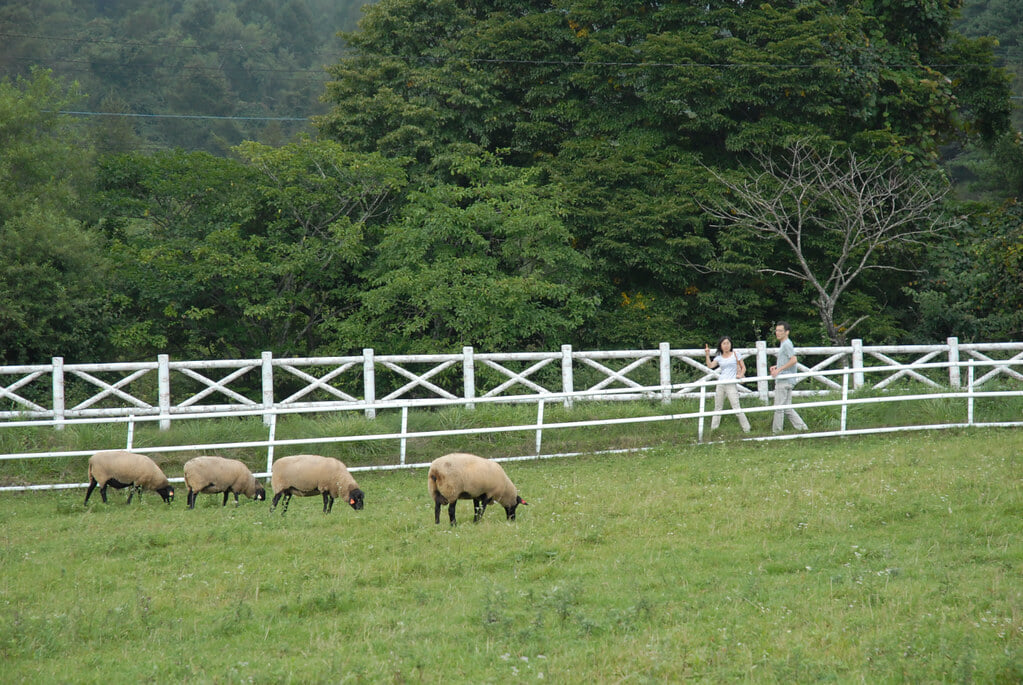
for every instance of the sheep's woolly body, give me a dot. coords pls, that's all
(212, 474)
(466, 476)
(123, 469)
(310, 474)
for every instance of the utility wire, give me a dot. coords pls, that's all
(181, 116)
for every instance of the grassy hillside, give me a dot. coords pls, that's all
(867, 559)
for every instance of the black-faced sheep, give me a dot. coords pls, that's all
(466, 476)
(213, 474)
(123, 469)
(310, 474)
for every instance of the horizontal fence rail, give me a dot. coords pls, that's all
(58, 391)
(702, 389)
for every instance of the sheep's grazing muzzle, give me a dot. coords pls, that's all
(356, 499)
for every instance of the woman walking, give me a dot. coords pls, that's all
(732, 368)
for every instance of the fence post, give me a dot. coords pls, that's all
(763, 386)
(969, 392)
(271, 436)
(845, 402)
(163, 390)
(539, 426)
(566, 373)
(58, 392)
(268, 385)
(404, 434)
(469, 376)
(703, 406)
(857, 362)
(665, 372)
(953, 363)
(130, 438)
(369, 383)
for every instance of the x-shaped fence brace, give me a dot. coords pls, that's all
(613, 375)
(318, 383)
(217, 386)
(418, 380)
(998, 368)
(820, 366)
(111, 389)
(904, 372)
(8, 391)
(518, 377)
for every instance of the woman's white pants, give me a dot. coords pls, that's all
(732, 392)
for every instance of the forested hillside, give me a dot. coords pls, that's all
(508, 175)
(254, 67)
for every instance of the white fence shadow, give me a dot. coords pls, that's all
(840, 381)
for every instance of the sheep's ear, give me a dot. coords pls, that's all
(519, 500)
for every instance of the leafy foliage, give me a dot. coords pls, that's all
(487, 261)
(53, 270)
(229, 258)
(974, 288)
(238, 59)
(621, 105)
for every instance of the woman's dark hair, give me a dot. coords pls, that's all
(724, 338)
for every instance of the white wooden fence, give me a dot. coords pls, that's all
(166, 388)
(979, 369)
(702, 391)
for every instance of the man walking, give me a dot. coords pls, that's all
(783, 384)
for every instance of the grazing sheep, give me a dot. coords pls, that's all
(466, 476)
(123, 469)
(310, 474)
(216, 474)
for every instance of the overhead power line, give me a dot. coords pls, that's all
(181, 116)
(106, 66)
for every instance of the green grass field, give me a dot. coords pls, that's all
(872, 559)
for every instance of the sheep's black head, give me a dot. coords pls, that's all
(355, 498)
(167, 493)
(511, 510)
(260, 493)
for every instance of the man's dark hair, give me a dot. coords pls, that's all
(783, 324)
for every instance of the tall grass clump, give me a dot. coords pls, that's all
(869, 559)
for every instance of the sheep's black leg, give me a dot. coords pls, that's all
(328, 503)
(478, 505)
(236, 499)
(92, 486)
(451, 511)
(287, 500)
(436, 512)
(190, 500)
(132, 489)
(103, 493)
(226, 493)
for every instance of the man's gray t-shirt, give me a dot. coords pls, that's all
(786, 351)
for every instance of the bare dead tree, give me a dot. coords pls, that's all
(838, 216)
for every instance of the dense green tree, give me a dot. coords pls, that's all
(484, 261)
(973, 288)
(994, 171)
(229, 258)
(52, 271)
(619, 103)
(243, 60)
